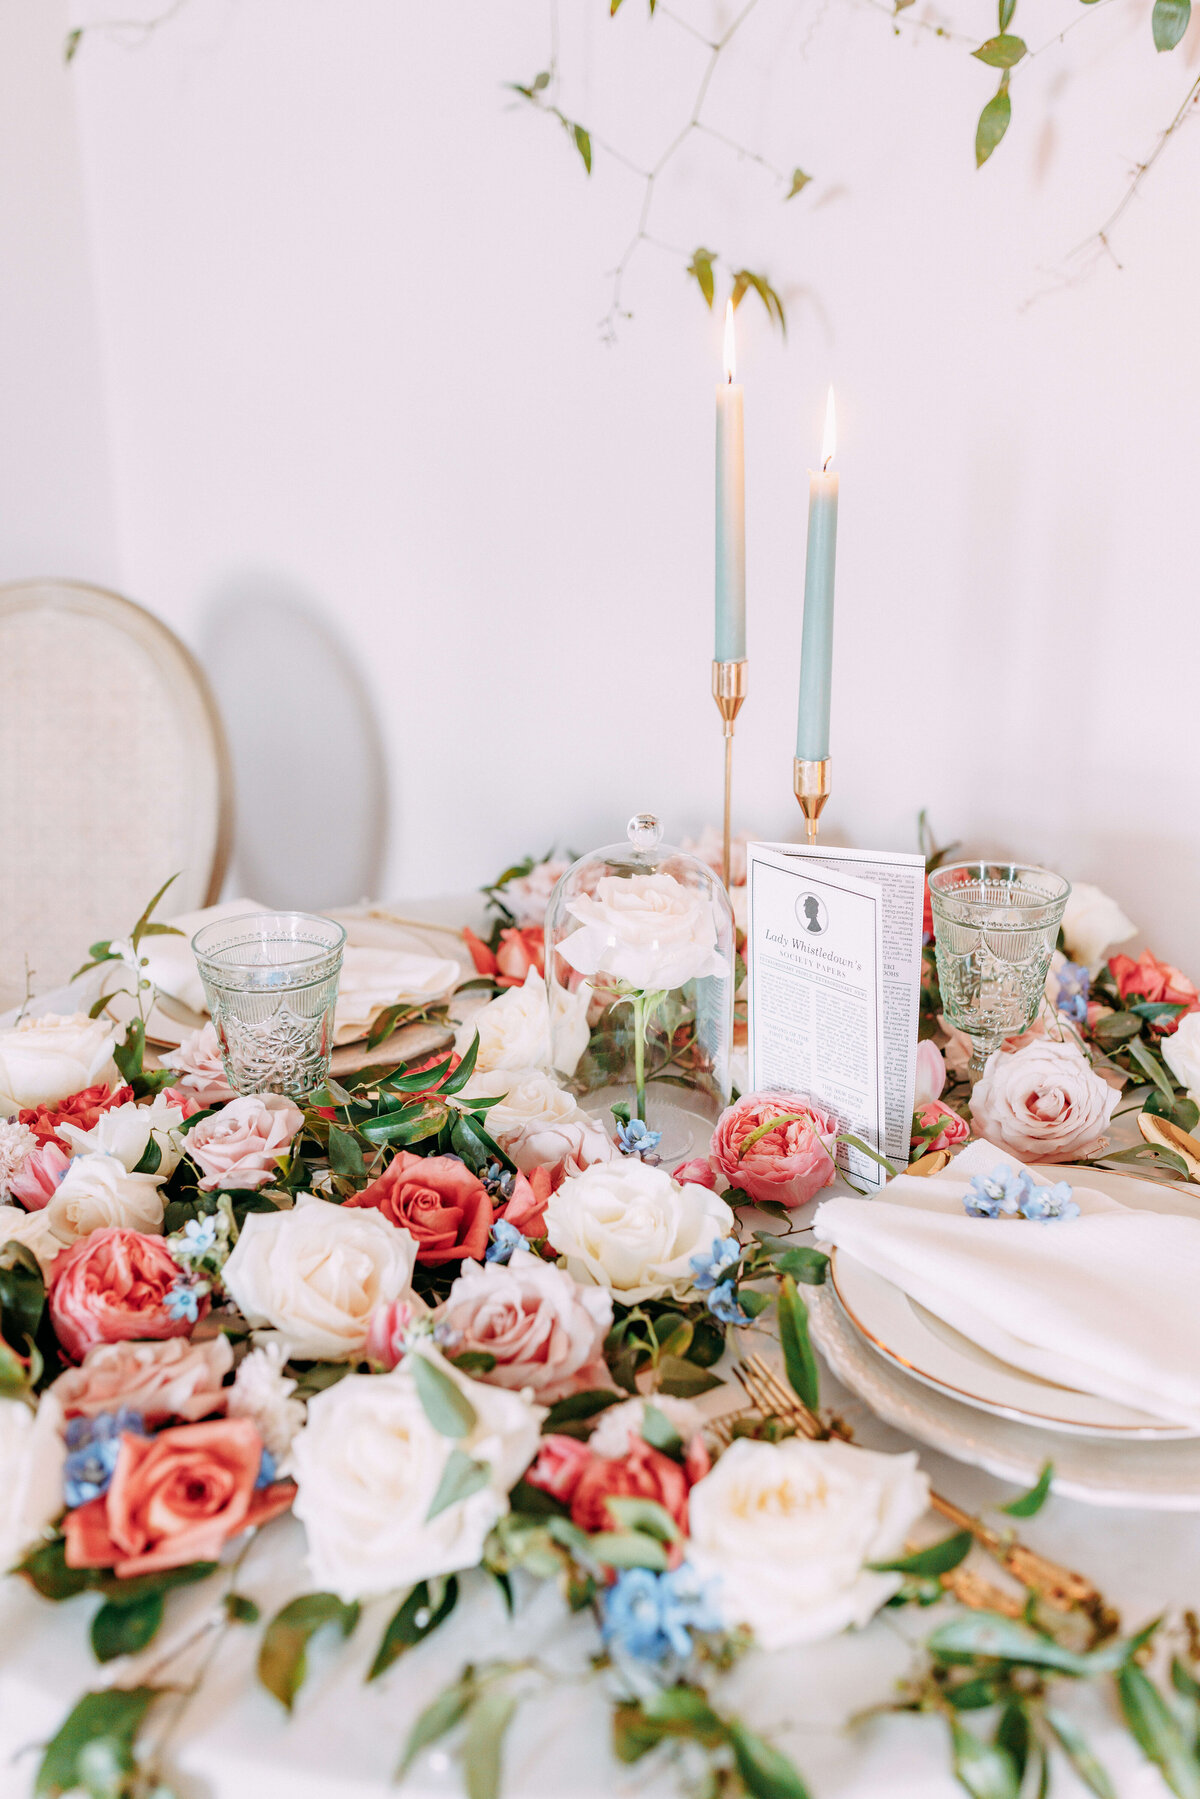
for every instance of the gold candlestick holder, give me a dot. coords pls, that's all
(729, 691)
(811, 783)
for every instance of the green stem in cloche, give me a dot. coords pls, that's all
(639, 1055)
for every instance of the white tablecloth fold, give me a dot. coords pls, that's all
(1104, 1303)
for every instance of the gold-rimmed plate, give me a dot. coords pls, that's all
(932, 1352)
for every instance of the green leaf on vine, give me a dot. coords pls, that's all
(583, 144)
(993, 123)
(700, 268)
(1006, 10)
(1169, 21)
(1003, 52)
(283, 1658)
(799, 182)
(744, 279)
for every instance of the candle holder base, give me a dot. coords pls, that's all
(729, 683)
(811, 785)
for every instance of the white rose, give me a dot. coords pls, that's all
(528, 897)
(32, 1453)
(517, 1030)
(43, 1060)
(99, 1190)
(262, 1392)
(787, 1530)
(368, 1465)
(1091, 924)
(124, 1132)
(620, 1424)
(539, 1123)
(646, 931)
(1181, 1053)
(632, 1228)
(34, 1231)
(317, 1273)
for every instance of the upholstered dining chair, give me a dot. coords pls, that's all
(113, 775)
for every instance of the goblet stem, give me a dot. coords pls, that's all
(980, 1052)
(639, 1056)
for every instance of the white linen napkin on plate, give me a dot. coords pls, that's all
(1105, 1303)
(373, 979)
(170, 963)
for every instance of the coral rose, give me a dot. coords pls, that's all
(240, 1146)
(1044, 1104)
(696, 1173)
(1156, 981)
(644, 1473)
(559, 1466)
(447, 1209)
(790, 1162)
(169, 1379)
(84, 1109)
(113, 1285)
(175, 1498)
(953, 1128)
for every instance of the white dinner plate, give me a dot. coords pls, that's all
(904, 1333)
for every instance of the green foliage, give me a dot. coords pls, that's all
(798, 184)
(700, 268)
(429, 1604)
(1003, 52)
(1158, 1732)
(96, 1740)
(1078, 1752)
(685, 1712)
(120, 1628)
(927, 1564)
(800, 1363)
(985, 1769)
(644, 1515)
(483, 1747)
(766, 1772)
(283, 1657)
(446, 1405)
(461, 1477)
(1169, 21)
(578, 1407)
(744, 280)
(583, 144)
(1032, 1502)
(993, 123)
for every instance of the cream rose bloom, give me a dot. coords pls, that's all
(168, 1379)
(368, 1465)
(317, 1273)
(646, 931)
(1045, 1102)
(125, 1131)
(632, 1228)
(1181, 1053)
(33, 1230)
(1092, 923)
(32, 1453)
(517, 1030)
(97, 1191)
(542, 1327)
(786, 1530)
(43, 1060)
(538, 1122)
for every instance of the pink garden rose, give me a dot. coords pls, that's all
(545, 1330)
(790, 1162)
(42, 1170)
(168, 1379)
(698, 1172)
(1045, 1103)
(387, 1334)
(113, 1285)
(953, 1128)
(201, 1071)
(239, 1146)
(931, 1073)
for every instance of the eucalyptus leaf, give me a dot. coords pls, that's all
(283, 1657)
(799, 1361)
(446, 1405)
(151, 1157)
(1032, 1502)
(628, 1549)
(483, 1746)
(461, 1477)
(660, 1433)
(806, 1265)
(436, 1720)
(798, 184)
(1169, 21)
(583, 144)
(1150, 1065)
(645, 1515)
(415, 1619)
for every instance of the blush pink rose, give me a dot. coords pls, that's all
(239, 1146)
(953, 1130)
(931, 1073)
(113, 1285)
(175, 1498)
(387, 1333)
(168, 1379)
(790, 1162)
(187, 1102)
(42, 1170)
(1045, 1103)
(697, 1173)
(200, 1068)
(542, 1328)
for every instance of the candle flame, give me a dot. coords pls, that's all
(829, 441)
(730, 357)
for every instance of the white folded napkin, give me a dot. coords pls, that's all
(373, 979)
(1104, 1303)
(170, 963)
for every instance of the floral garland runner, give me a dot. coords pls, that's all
(215, 1309)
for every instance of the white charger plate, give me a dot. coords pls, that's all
(904, 1333)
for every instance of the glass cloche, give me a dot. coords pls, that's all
(640, 975)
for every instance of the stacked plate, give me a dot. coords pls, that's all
(931, 1381)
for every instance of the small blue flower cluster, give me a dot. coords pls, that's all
(505, 1238)
(636, 1139)
(266, 1469)
(707, 1272)
(651, 1616)
(93, 1445)
(184, 1296)
(1072, 998)
(1010, 1192)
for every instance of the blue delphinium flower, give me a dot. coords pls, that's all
(1048, 1203)
(637, 1139)
(998, 1193)
(723, 1304)
(183, 1301)
(505, 1238)
(200, 1236)
(1072, 997)
(708, 1269)
(651, 1616)
(93, 1445)
(266, 1469)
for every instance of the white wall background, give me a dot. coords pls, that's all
(348, 304)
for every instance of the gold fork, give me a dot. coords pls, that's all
(1059, 1587)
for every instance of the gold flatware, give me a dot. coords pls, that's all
(1165, 1135)
(931, 1163)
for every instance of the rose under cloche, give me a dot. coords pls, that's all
(647, 931)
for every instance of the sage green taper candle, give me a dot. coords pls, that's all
(816, 646)
(730, 641)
